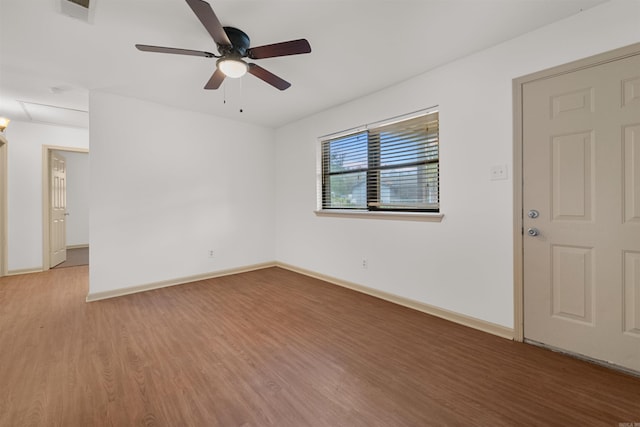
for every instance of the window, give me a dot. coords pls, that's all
(390, 167)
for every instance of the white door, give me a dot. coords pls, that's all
(58, 208)
(581, 173)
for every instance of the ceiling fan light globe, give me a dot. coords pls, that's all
(233, 68)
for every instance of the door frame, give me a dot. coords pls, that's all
(4, 247)
(46, 183)
(518, 183)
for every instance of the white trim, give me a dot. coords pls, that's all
(380, 123)
(518, 158)
(407, 216)
(4, 247)
(518, 230)
(24, 271)
(472, 322)
(174, 282)
(85, 245)
(342, 133)
(46, 151)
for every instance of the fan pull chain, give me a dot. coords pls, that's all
(240, 95)
(224, 93)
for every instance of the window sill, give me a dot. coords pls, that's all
(407, 216)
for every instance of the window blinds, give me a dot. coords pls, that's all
(389, 167)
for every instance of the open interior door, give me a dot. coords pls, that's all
(58, 209)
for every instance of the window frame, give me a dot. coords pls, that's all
(373, 170)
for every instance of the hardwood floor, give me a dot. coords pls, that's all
(274, 348)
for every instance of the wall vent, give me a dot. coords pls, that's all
(79, 9)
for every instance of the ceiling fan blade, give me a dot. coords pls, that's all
(205, 14)
(161, 49)
(216, 80)
(268, 77)
(293, 47)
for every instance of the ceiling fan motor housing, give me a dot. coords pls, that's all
(239, 43)
(233, 47)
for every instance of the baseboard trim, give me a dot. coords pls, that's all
(472, 322)
(97, 296)
(24, 271)
(78, 246)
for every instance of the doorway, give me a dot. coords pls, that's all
(59, 177)
(577, 222)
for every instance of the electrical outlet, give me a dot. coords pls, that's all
(365, 263)
(498, 172)
(211, 253)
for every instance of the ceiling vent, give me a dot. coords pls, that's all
(83, 3)
(79, 9)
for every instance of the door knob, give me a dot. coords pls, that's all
(533, 232)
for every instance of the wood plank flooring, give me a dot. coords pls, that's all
(275, 348)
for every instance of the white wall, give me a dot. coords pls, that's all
(167, 185)
(464, 263)
(78, 193)
(25, 186)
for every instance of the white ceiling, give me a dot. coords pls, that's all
(48, 59)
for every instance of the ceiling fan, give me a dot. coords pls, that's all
(233, 46)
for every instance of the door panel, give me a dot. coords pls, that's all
(631, 91)
(632, 293)
(632, 173)
(572, 283)
(58, 208)
(581, 171)
(572, 176)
